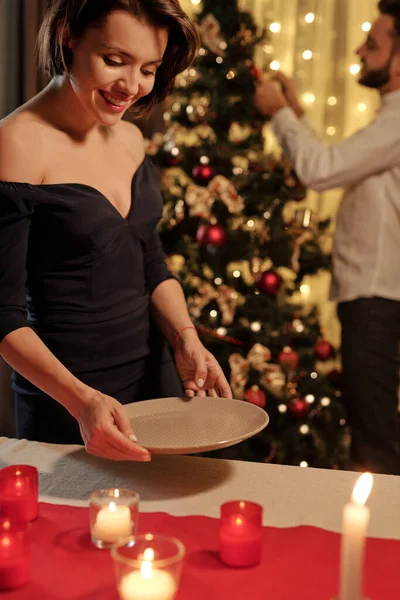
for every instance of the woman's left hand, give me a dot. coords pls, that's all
(198, 369)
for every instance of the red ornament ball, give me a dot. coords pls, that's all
(202, 173)
(255, 72)
(288, 359)
(299, 408)
(256, 396)
(323, 350)
(173, 161)
(335, 377)
(269, 282)
(211, 235)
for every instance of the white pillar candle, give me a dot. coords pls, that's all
(355, 523)
(147, 584)
(113, 523)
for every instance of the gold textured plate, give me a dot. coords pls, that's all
(190, 425)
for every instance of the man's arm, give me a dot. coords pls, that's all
(320, 167)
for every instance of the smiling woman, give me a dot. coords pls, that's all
(87, 304)
(70, 18)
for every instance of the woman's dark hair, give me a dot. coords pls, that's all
(391, 8)
(74, 17)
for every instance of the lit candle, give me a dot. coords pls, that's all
(148, 583)
(19, 493)
(113, 523)
(240, 540)
(14, 555)
(355, 522)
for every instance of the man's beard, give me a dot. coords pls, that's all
(376, 78)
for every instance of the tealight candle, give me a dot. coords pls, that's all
(113, 523)
(240, 534)
(19, 493)
(113, 516)
(147, 584)
(148, 567)
(14, 555)
(355, 522)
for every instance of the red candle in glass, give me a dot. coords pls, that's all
(240, 539)
(14, 554)
(19, 493)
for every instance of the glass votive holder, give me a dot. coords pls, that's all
(113, 516)
(19, 493)
(14, 554)
(148, 567)
(240, 533)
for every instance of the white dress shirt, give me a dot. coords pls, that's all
(366, 256)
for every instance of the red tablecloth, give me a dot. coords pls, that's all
(299, 563)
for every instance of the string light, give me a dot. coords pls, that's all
(304, 463)
(230, 75)
(236, 274)
(218, 281)
(221, 331)
(250, 223)
(325, 401)
(304, 429)
(331, 130)
(196, 2)
(354, 69)
(183, 82)
(307, 55)
(361, 107)
(192, 72)
(176, 107)
(309, 18)
(275, 27)
(332, 100)
(175, 151)
(282, 408)
(309, 98)
(202, 51)
(256, 326)
(189, 109)
(166, 116)
(275, 65)
(219, 60)
(204, 160)
(213, 314)
(310, 398)
(366, 26)
(314, 375)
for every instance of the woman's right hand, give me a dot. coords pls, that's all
(107, 432)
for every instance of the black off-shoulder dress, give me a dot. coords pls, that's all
(81, 276)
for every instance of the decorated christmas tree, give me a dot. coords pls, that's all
(241, 249)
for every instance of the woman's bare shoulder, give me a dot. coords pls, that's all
(132, 138)
(21, 148)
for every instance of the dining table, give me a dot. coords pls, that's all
(181, 496)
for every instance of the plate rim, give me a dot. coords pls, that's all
(205, 448)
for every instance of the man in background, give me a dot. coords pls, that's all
(366, 258)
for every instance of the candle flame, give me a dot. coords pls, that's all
(112, 507)
(18, 472)
(5, 542)
(239, 521)
(148, 554)
(362, 489)
(146, 570)
(18, 483)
